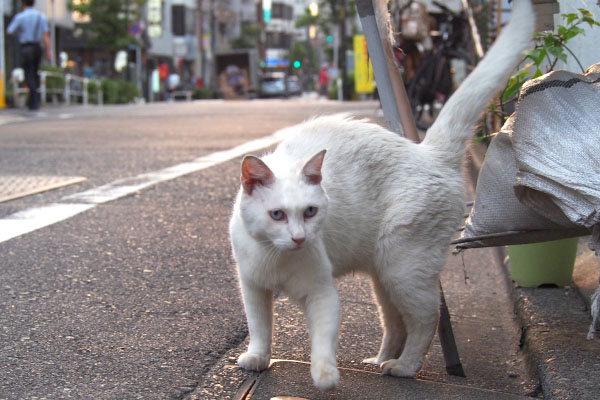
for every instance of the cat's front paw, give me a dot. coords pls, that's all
(325, 374)
(372, 361)
(398, 368)
(254, 361)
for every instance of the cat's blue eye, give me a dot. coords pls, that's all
(310, 212)
(277, 215)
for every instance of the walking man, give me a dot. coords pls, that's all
(31, 26)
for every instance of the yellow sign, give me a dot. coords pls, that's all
(2, 99)
(363, 70)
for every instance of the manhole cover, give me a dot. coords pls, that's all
(13, 187)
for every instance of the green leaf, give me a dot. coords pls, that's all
(522, 75)
(536, 55)
(572, 32)
(589, 20)
(480, 139)
(570, 17)
(558, 52)
(585, 12)
(551, 41)
(511, 90)
(562, 30)
(514, 84)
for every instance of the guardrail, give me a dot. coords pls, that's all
(177, 94)
(75, 87)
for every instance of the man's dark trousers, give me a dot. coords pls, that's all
(31, 56)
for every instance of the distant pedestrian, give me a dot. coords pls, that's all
(235, 80)
(31, 26)
(323, 81)
(172, 84)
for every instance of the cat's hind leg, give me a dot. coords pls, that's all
(414, 290)
(394, 331)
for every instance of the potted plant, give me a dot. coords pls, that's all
(551, 262)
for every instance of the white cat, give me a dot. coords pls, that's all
(340, 195)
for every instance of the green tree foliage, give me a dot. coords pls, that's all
(109, 22)
(551, 47)
(248, 38)
(329, 15)
(306, 54)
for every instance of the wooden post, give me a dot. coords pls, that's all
(394, 100)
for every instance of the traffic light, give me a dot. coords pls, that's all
(329, 38)
(297, 64)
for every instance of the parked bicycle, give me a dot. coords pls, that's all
(434, 79)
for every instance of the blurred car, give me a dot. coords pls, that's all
(277, 84)
(273, 85)
(293, 86)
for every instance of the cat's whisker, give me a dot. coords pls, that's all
(272, 253)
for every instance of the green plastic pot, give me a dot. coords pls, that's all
(547, 263)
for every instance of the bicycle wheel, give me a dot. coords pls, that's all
(429, 89)
(432, 86)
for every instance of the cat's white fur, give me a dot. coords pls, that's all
(384, 206)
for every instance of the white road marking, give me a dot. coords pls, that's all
(31, 219)
(35, 218)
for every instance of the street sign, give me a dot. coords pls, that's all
(363, 72)
(135, 28)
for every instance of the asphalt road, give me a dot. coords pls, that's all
(136, 297)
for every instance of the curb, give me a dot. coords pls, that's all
(554, 324)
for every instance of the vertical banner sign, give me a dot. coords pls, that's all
(363, 70)
(266, 5)
(154, 18)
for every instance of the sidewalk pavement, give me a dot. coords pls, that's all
(9, 115)
(16, 115)
(513, 342)
(554, 324)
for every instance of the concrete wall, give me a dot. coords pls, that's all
(168, 45)
(61, 14)
(586, 47)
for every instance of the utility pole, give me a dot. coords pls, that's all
(2, 57)
(52, 34)
(213, 47)
(341, 12)
(201, 57)
(127, 72)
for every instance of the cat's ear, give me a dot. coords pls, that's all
(312, 169)
(255, 172)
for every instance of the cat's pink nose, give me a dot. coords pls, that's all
(299, 240)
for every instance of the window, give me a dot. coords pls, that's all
(278, 40)
(282, 11)
(178, 20)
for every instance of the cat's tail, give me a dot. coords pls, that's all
(455, 123)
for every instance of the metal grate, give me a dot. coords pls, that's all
(14, 187)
